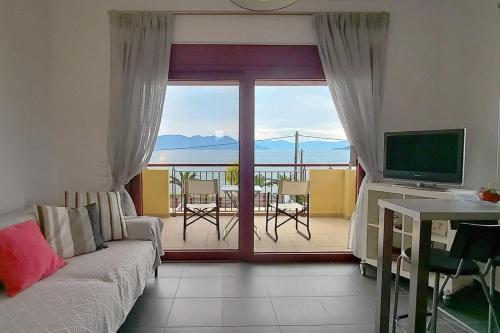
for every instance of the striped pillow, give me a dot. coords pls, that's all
(67, 230)
(109, 205)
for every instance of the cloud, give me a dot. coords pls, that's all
(279, 111)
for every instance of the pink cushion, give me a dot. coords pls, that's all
(25, 257)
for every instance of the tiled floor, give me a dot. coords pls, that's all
(237, 297)
(328, 234)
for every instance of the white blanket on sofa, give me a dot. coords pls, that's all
(93, 293)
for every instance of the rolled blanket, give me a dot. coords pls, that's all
(146, 228)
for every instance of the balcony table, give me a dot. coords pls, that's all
(232, 193)
(423, 211)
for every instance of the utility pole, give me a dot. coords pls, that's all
(296, 155)
(302, 169)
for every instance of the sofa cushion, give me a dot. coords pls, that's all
(110, 211)
(25, 257)
(68, 230)
(95, 222)
(17, 217)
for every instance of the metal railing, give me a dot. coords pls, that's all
(266, 176)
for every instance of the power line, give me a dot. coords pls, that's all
(204, 146)
(276, 138)
(319, 137)
(235, 143)
(221, 144)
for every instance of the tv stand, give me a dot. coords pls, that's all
(422, 186)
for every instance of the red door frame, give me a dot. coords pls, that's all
(247, 64)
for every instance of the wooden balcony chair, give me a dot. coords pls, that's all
(293, 210)
(194, 212)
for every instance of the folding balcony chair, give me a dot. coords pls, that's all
(473, 242)
(201, 211)
(293, 210)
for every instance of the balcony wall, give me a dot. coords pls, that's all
(333, 192)
(155, 193)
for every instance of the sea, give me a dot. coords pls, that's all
(329, 156)
(261, 156)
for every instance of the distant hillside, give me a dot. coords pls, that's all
(197, 142)
(307, 145)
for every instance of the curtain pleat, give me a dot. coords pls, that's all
(140, 58)
(352, 52)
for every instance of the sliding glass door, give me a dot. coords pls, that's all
(198, 146)
(299, 141)
(228, 109)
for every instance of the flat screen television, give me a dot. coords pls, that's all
(435, 156)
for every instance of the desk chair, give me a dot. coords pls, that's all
(201, 211)
(495, 264)
(292, 210)
(473, 242)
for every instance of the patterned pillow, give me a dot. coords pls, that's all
(67, 230)
(110, 211)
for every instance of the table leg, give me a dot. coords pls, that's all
(421, 245)
(384, 266)
(230, 225)
(256, 231)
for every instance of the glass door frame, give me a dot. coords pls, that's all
(212, 78)
(247, 64)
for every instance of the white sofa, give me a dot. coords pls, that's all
(93, 293)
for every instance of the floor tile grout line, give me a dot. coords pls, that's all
(275, 312)
(362, 294)
(169, 311)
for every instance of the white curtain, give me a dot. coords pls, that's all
(352, 51)
(140, 58)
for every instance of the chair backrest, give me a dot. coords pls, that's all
(195, 186)
(455, 223)
(286, 187)
(476, 242)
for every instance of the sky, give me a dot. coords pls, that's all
(279, 111)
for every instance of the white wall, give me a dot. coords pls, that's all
(80, 41)
(450, 78)
(26, 172)
(442, 69)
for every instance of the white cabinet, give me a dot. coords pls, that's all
(442, 236)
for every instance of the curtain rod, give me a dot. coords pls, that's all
(249, 13)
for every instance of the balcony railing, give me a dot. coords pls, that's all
(266, 176)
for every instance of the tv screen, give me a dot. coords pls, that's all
(432, 156)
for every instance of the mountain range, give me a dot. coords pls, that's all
(197, 142)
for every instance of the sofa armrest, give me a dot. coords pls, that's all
(146, 228)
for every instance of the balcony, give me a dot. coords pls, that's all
(332, 199)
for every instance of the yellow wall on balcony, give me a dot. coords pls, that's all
(332, 192)
(155, 195)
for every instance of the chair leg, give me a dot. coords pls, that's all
(267, 214)
(276, 227)
(185, 226)
(296, 219)
(396, 294)
(217, 223)
(156, 272)
(307, 220)
(490, 299)
(432, 325)
(492, 295)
